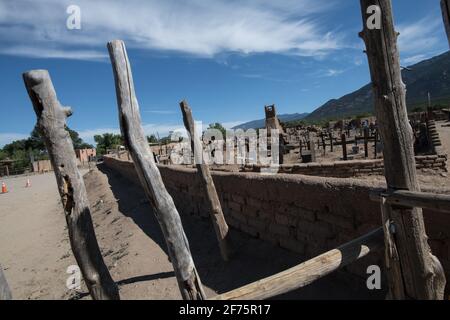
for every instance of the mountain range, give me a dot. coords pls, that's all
(256, 124)
(428, 76)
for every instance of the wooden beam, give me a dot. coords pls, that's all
(432, 201)
(309, 271)
(5, 292)
(51, 123)
(421, 271)
(344, 147)
(150, 177)
(218, 220)
(445, 6)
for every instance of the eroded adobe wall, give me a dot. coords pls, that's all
(304, 214)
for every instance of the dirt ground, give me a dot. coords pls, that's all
(34, 248)
(35, 253)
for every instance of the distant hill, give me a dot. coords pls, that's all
(432, 75)
(256, 124)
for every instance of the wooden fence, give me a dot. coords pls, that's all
(413, 272)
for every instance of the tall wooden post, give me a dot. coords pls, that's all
(445, 6)
(51, 122)
(344, 146)
(376, 143)
(5, 292)
(312, 146)
(331, 141)
(422, 275)
(150, 177)
(218, 220)
(366, 142)
(322, 136)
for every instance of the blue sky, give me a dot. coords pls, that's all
(228, 58)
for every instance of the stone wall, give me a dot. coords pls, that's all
(356, 168)
(304, 214)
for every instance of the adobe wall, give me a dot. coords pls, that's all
(304, 214)
(356, 168)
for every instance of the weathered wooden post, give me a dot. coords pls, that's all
(421, 273)
(331, 141)
(312, 145)
(344, 146)
(445, 6)
(51, 123)
(218, 220)
(150, 177)
(5, 292)
(322, 136)
(366, 142)
(376, 143)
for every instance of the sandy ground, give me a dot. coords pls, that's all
(34, 249)
(35, 253)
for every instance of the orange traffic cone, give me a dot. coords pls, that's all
(28, 184)
(4, 188)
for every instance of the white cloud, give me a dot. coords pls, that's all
(9, 137)
(333, 72)
(203, 28)
(420, 36)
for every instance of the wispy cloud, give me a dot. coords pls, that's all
(419, 36)
(203, 28)
(333, 72)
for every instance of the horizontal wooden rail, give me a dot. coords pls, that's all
(433, 201)
(307, 272)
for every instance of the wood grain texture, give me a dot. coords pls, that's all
(217, 217)
(150, 177)
(435, 202)
(418, 264)
(51, 123)
(309, 271)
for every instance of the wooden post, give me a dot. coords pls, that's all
(5, 292)
(331, 141)
(422, 274)
(308, 271)
(445, 6)
(51, 122)
(322, 136)
(366, 142)
(344, 146)
(150, 177)
(376, 142)
(218, 220)
(312, 146)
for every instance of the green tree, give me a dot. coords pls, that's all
(152, 139)
(107, 141)
(78, 143)
(219, 127)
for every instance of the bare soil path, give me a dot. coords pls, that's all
(34, 249)
(35, 253)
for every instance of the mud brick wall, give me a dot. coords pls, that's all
(436, 162)
(303, 214)
(355, 168)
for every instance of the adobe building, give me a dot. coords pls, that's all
(85, 155)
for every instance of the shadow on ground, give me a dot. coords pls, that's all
(254, 259)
